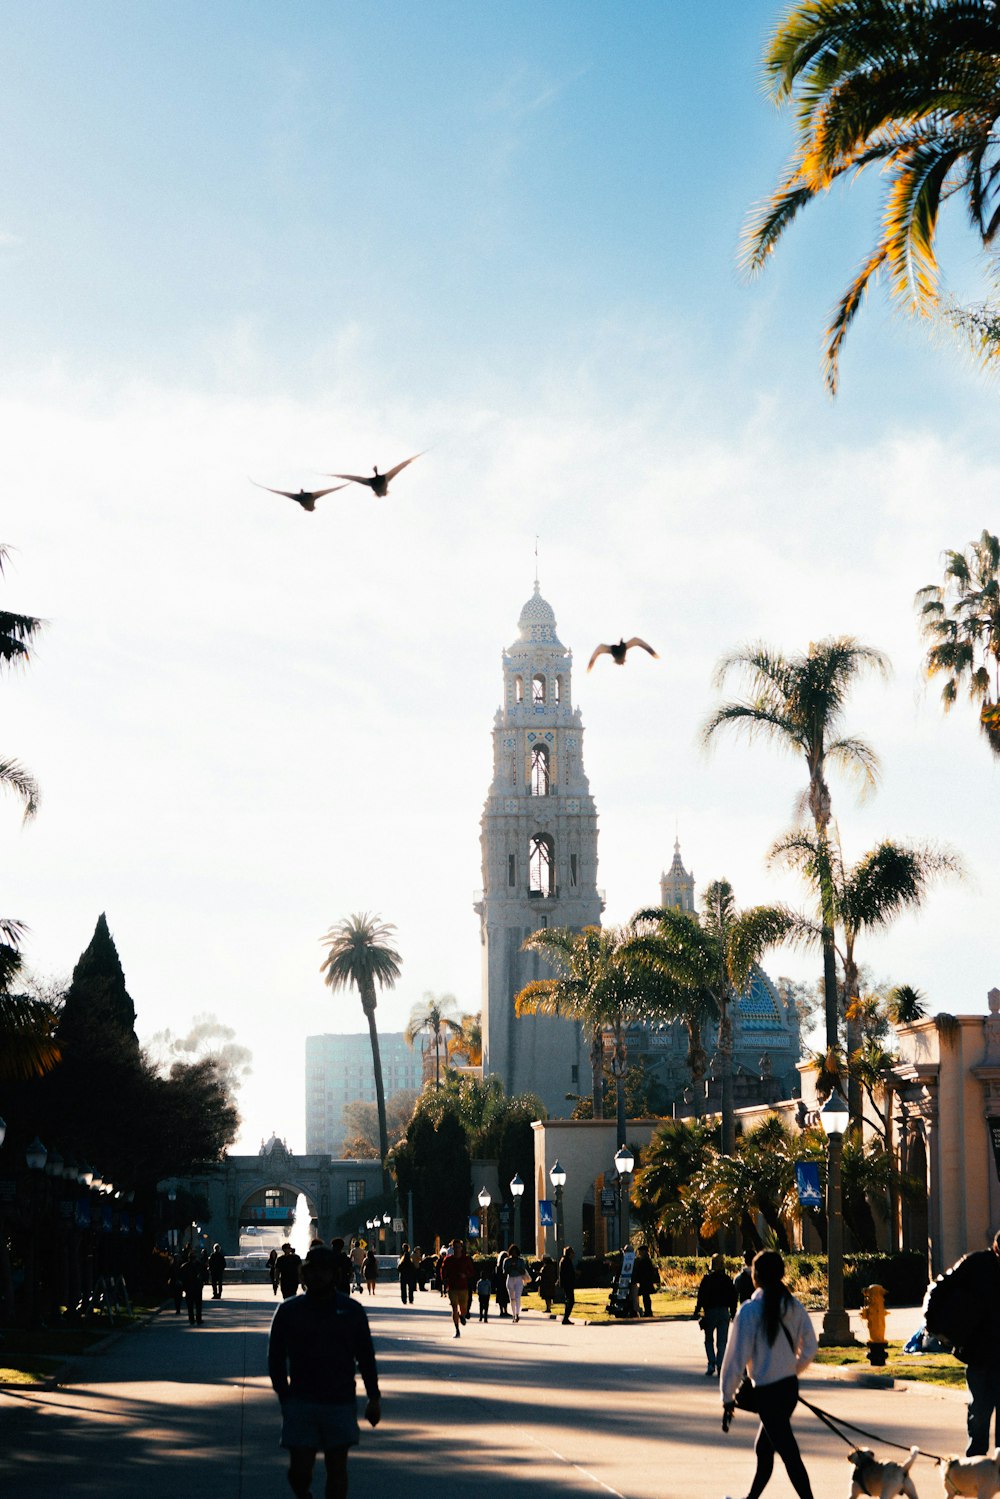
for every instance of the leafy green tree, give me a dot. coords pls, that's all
(678, 1149)
(28, 1022)
(359, 954)
(912, 86)
(467, 1041)
(712, 960)
(433, 1162)
(434, 1016)
(798, 703)
(361, 1139)
(961, 620)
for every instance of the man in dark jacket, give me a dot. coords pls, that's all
(567, 1280)
(287, 1268)
(645, 1279)
(216, 1270)
(964, 1307)
(316, 1343)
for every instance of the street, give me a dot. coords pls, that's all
(537, 1407)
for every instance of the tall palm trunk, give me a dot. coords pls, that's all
(819, 805)
(597, 1070)
(851, 995)
(368, 1004)
(726, 1078)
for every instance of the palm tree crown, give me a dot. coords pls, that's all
(431, 1016)
(912, 85)
(961, 620)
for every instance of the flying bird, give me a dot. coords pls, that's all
(380, 482)
(617, 652)
(306, 497)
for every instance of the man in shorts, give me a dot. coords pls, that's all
(317, 1340)
(457, 1275)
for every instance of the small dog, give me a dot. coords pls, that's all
(881, 1480)
(972, 1477)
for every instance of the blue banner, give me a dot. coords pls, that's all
(807, 1181)
(546, 1214)
(473, 1225)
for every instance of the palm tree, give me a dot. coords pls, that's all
(430, 1017)
(716, 956)
(910, 85)
(904, 1005)
(468, 1040)
(358, 953)
(866, 897)
(28, 1045)
(602, 985)
(961, 619)
(17, 633)
(798, 701)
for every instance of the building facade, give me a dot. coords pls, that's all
(339, 1071)
(539, 859)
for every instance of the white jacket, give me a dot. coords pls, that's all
(768, 1362)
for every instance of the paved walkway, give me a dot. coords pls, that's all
(556, 1412)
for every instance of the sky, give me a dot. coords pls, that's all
(247, 241)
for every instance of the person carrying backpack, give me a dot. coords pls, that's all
(963, 1305)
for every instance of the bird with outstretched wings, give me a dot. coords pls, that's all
(306, 497)
(379, 483)
(619, 651)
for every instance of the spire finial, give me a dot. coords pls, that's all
(536, 565)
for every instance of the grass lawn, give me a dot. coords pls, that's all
(30, 1355)
(930, 1368)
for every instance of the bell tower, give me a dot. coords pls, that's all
(539, 843)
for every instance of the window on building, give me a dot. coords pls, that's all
(541, 865)
(538, 688)
(355, 1193)
(512, 870)
(558, 689)
(572, 868)
(574, 1075)
(519, 689)
(539, 770)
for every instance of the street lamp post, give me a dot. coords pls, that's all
(517, 1192)
(35, 1157)
(624, 1161)
(836, 1332)
(386, 1220)
(557, 1177)
(484, 1222)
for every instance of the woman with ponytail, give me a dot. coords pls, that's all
(773, 1337)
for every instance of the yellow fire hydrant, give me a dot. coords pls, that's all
(873, 1313)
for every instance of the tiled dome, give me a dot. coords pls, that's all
(537, 620)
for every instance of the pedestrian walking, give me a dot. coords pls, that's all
(272, 1260)
(370, 1271)
(964, 1306)
(216, 1270)
(316, 1342)
(567, 1282)
(357, 1260)
(458, 1274)
(714, 1308)
(344, 1268)
(407, 1276)
(194, 1273)
(744, 1281)
(645, 1279)
(176, 1283)
(547, 1280)
(287, 1271)
(772, 1337)
(417, 1256)
(503, 1296)
(484, 1290)
(517, 1273)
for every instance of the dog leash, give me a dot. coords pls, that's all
(835, 1422)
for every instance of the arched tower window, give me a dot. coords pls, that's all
(519, 689)
(558, 689)
(539, 770)
(541, 865)
(538, 689)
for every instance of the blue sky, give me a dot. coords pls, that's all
(273, 241)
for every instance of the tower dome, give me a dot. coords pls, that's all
(537, 620)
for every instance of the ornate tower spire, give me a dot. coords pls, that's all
(677, 885)
(539, 843)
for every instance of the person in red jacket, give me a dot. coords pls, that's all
(457, 1275)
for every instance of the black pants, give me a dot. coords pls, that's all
(984, 1389)
(570, 1298)
(775, 1405)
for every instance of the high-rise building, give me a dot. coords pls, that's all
(539, 847)
(339, 1071)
